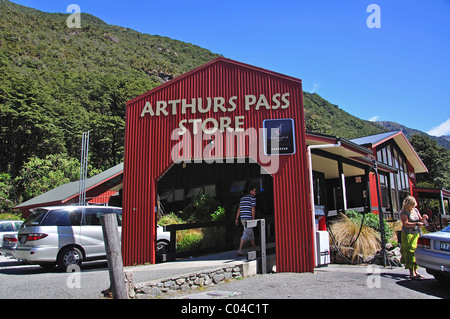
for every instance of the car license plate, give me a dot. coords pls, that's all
(445, 246)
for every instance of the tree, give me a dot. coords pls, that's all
(435, 158)
(6, 204)
(41, 175)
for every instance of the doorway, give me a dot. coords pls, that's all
(222, 184)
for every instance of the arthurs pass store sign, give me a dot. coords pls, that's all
(225, 123)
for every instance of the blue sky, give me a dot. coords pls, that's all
(399, 72)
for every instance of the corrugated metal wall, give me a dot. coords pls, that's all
(148, 149)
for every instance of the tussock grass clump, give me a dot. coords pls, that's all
(345, 231)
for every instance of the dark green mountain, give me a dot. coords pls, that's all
(56, 82)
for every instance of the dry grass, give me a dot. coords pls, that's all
(345, 232)
(395, 226)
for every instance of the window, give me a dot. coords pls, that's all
(167, 195)
(62, 217)
(179, 194)
(194, 191)
(238, 187)
(384, 190)
(210, 190)
(389, 153)
(4, 227)
(36, 217)
(92, 215)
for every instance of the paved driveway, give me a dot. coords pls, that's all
(32, 282)
(332, 282)
(335, 281)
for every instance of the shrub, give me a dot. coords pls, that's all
(186, 239)
(170, 219)
(200, 208)
(218, 214)
(10, 216)
(371, 220)
(189, 239)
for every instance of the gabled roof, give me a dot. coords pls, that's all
(66, 192)
(208, 65)
(413, 158)
(375, 140)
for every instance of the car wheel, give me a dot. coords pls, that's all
(69, 256)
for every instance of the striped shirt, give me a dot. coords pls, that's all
(245, 206)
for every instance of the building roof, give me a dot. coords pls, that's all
(413, 158)
(347, 149)
(209, 64)
(375, 140)
(66, 192)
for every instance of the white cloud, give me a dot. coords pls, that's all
(442, 129)
(374, 118)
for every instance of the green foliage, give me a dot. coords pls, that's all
(10, 216)
(170, 219)
(200, 208)
(436, 159)
(186, 239)
(57, 82)
(190, 239)
(218, 214)
(5, 194)
(323, 117)
(371, 220)
(38, 175)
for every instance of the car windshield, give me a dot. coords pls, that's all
(36, 217)
(6, 226)
(447, 229)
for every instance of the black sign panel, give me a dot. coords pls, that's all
(279, 137)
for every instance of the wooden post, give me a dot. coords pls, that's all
(114, 255)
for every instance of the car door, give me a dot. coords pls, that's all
(91, 235)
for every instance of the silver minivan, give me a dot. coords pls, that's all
(64, 235)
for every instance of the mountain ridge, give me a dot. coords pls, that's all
(443, 141)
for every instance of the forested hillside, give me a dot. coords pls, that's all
(323, 117)
(57, 82)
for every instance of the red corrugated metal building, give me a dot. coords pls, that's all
(226, 102)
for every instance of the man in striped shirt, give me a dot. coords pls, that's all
(247, 212)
